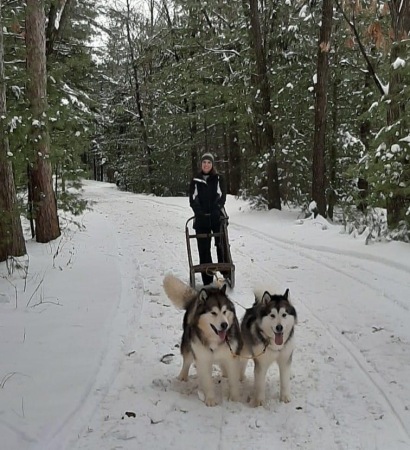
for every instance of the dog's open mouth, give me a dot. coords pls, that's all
(278, 338)
(220, 333)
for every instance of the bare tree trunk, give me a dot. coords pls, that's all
(265, 130)
(11, 233)
(44, 201)
(318, 168)
(398, 203)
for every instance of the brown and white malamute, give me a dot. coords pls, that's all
(211, 335)
(268, 336)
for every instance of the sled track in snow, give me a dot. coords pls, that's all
(285, 243)
(292, 246)
(375, 379)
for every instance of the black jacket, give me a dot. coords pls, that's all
(206, 198)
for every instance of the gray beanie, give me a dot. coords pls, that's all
(207, 157)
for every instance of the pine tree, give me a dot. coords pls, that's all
(263, 113)
(11, 234)
(319, 170)
(43, 197)
(398, 150)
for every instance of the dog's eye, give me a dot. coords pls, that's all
(273, 316)
(284, 315)
(214, 313)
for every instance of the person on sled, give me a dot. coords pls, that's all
(207, 196)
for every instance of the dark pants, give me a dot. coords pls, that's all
(204, 249)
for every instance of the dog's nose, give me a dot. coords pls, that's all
(224, 325)
(279, 328)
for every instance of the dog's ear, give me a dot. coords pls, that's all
(286, 294)
(203, 295)
(266, 298)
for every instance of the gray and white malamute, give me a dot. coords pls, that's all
(268, 336)
(211, 335)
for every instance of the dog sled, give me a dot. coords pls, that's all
(217, 270)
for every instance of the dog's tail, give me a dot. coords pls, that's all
(178, 292)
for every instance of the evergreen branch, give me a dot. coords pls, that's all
(97, 25)
(369, 65)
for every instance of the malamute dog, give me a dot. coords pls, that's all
(268, 335)
(211, 335)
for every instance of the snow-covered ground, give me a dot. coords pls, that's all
(84, 334)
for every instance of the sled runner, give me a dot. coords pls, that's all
(227, 268)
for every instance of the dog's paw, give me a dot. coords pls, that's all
(182, 377)
(256, 402)
(234, 397)
(285, 398)
(210, 401)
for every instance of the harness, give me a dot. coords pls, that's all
(235, 355)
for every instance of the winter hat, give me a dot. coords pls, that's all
(208, 157)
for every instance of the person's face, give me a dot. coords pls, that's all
(206, 166)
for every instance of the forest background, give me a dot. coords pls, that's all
(299, 101)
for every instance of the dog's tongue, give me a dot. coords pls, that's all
(278, 338)
(222, 335)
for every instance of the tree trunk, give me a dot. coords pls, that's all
(365, 130)
(319, 168)
(193, 128)
(44, 201)
(399, 202)
(263, 108)
(137, 94)
(11, 233)
(58, 13)
(332, 190)
(235, 157)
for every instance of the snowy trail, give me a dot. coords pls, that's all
(342, 388)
